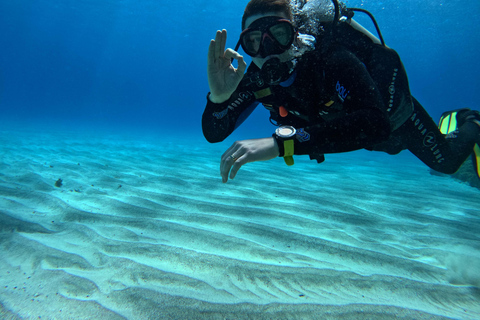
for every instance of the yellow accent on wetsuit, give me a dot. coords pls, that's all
(329, 103)
(262, 93)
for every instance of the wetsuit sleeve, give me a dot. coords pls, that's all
(364, 122)
(219, 120)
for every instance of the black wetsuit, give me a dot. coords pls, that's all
(336, 106)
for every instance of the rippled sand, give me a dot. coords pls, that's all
(144, 229)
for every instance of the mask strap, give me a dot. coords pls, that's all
(238, 45)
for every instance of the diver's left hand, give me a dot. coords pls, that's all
(244, 151)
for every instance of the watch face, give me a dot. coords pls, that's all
(285, 131)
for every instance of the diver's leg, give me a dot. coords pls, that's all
(443, 153)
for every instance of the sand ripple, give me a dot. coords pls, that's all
(138, 231)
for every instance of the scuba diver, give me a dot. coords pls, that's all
(340, 91)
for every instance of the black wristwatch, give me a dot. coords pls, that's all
(285, 135)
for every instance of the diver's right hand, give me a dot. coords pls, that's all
(223, 77)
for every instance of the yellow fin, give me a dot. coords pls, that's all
(476, 155)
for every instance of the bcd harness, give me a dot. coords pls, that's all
(383, 64)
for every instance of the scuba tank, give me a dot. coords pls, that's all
(382, 63)
(305, 10)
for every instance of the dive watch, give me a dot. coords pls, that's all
(286, 134)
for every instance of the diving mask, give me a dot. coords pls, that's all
(267, 36)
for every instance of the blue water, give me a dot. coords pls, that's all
(362, 232)
(141, 65)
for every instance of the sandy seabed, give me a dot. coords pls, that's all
(143, 228)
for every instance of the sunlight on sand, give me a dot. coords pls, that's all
(142, 229)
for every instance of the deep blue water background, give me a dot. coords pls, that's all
(141, 65)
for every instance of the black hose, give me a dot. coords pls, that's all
(336, 17)
(349, 15)
(373, 20)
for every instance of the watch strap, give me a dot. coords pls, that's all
(288, 146)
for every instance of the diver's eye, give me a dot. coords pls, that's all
(282, 33)
(254, 36)
(252, 40)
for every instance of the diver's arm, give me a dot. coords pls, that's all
(356, 131)
(227, 104)
(223, 77)
(245, 151)
(219, 120)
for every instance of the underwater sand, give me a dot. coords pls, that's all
(143, 228)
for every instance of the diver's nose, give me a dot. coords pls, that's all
(268, 45)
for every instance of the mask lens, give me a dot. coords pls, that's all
(282, 33)
(251, 42)
(266, 36)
